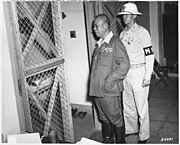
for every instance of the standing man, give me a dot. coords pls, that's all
(109, 67)
(137, 41)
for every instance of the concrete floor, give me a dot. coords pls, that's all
(164, 121)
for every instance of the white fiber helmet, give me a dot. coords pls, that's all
(129, 8)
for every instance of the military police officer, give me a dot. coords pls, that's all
(137, 41)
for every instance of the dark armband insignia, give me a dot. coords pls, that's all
(148, 51)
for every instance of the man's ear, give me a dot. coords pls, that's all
(106, 25)
(134, 16)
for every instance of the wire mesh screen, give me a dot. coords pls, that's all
(111, 8)
(37, 32)
(44, 76)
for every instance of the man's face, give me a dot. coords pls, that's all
(99, 27)
(128, 19)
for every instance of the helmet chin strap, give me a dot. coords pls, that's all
(129, 26)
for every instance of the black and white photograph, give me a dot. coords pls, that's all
(89, 72)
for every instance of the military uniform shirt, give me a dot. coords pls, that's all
(137, 41)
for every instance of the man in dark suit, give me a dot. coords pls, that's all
(109, 67)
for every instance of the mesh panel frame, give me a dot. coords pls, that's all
(41, 46)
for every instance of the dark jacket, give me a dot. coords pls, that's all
(109, 67)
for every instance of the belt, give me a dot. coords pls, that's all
(133, 66)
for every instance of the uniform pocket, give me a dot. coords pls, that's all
(108, 88)
(105, 60)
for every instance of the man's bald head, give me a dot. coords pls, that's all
(101, 25)
(104, 18)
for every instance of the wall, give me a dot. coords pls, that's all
(150, 21)
(10, 121)
(76, 56)
(154, 29)
(144, 20)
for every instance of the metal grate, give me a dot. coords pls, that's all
(36, 33)
(44, 75)
(111, 9)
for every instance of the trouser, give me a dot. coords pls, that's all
(110, 114)
(110, 110)
(135, 103)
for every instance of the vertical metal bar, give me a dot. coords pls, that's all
(25, 98)
(11, 6)
(59, 24)
(56, 26)
(58, 45)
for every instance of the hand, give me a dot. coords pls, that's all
(107, 84)
(145, 83)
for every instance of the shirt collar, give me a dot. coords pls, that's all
(107, 39)
(133, 28)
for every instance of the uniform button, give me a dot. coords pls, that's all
(95, 57)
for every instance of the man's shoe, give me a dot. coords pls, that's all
(108, 140)
(107, 133)
(120, 134)
(142, 141)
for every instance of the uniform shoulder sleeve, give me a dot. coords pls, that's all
(148, 52)
(145, 38)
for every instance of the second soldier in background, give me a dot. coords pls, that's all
(137, 41)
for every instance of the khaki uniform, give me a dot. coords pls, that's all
(135, 97)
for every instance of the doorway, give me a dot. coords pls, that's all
(170, 33)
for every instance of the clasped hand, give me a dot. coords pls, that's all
(145, 83)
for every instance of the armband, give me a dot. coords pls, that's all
(148, 51)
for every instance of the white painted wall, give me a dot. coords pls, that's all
(76, 56)
(10, 121)
(154, 30)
